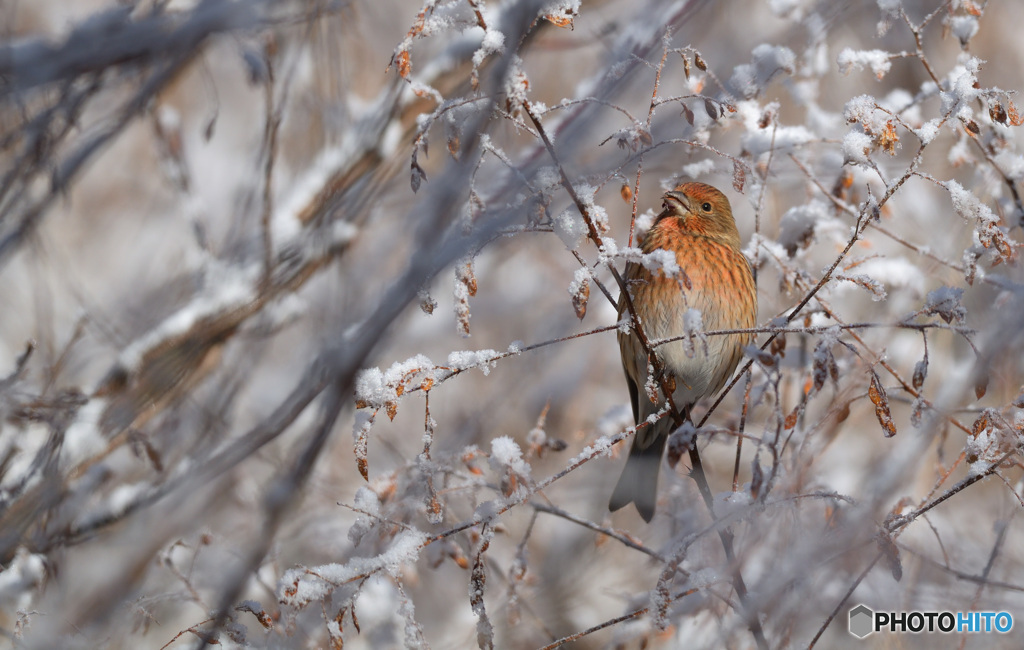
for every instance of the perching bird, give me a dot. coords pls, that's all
(696, 223)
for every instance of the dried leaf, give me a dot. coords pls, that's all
(434, 514)
(844, 412)
(580, 298)
(917, 411)
(427, 303)
(980, 424)
(359, 451)
(469, 278)
(756, 480)
(626, 192)
(972, 127)
(765, 359)
(688, 114)
(686, 66)
(981, 384)
(454, 146)
(457, 556)
(418, 176)
(560, 20)
(739, 176)
(889, 140)
(261, 615)
(920, 372)
(699, 62)
(1014, 116)
(778, 346)
(793, 417)
(477, 580)
(824, 365)
(891, 552)
(403, 64)
(878, 397)
(997, 112)
(843, 183)
(556, 444)
(712, 109)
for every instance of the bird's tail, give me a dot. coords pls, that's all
(639, 481)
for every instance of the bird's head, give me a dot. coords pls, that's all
(699, 209)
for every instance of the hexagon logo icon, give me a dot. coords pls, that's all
(861, 621)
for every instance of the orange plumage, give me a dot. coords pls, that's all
(715, 279)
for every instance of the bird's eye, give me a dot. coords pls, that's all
(705, 206)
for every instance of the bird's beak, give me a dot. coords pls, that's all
(676, 202)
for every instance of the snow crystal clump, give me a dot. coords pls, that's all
(928, 130)
(466, 359)
(570, 228)
(963, 90)
(597, 214)
(945, 301)
(877, 60)
(700, 168)
(967, 205)
(864, 110)
(963, 27)
(580, 278)
(505, 452)
(856, 147)
(493, 43)
(377, 388)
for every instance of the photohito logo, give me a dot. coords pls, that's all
(864, 621)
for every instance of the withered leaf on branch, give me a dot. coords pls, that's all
(712, 109)
(878, 396)
(1014, 116)
(891, 553)
(580, 299)
(889, 139)
(997, 112)
(792, 418)
(981, 383)
(418, 176)
(688, 114)
(920, 372)
(739, 176)
(824, 365)
(980, 424)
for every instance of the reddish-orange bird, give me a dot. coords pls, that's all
(696, 224)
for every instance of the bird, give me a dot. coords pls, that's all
(714, 278)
